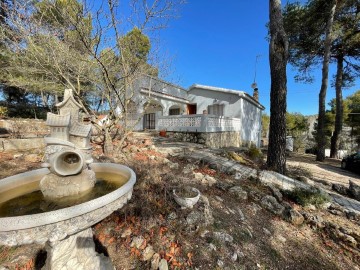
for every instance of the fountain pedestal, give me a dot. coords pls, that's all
(76, 252)
(54, 186)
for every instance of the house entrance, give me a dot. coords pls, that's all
(153, 110)
(149, 121)
(191, 108)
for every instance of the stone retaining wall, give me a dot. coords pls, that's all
(211, 139)
(21, 144)
(23, 128)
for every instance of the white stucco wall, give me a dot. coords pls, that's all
(235, 106)
(251, 123)
(173, 97)
(203, 98)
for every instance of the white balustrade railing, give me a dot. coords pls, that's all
(198, 123)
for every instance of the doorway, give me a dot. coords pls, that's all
(149, 121)
(191, 108)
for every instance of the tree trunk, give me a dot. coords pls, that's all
(339, 108)
(44, 99)
(321, 141)
(2, 11)
(3, 16)
(108, 146)
(56, 99)
(276, 157)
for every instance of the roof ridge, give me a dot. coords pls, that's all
(53, 119)
(68, 94)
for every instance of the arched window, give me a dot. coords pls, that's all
(174, 110)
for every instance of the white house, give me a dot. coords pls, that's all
(223, 115)
(231, 104)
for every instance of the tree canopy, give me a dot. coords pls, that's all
(353, 118)
(297, 127)
(42, 48)
(53, 45)
(306, 26)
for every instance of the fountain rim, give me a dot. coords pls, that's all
(36, 220)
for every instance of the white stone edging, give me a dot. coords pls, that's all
(285, 183)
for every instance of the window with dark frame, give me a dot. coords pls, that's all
(216, 109)
(149, 121)
(175, 111)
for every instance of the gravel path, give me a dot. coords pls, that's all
(329, 170)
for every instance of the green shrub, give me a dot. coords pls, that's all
(305, 197)
(3, 111)
(254, 152)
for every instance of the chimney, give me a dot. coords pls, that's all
(256, 94)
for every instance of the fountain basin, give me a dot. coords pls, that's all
(56, 225)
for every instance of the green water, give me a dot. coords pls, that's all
(35, 203)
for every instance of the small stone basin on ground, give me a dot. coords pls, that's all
(186, 197)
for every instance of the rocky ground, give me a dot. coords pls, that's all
(236, 224)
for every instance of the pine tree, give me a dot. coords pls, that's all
(276, 157)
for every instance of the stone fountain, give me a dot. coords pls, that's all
(68, 152)
(68, 172)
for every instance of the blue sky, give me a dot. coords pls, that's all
(216, 42)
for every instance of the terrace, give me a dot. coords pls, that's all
(202, 123)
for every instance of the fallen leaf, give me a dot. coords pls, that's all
(137, 253)
(143, 245)
(168, 257)
(189, 261)
(102, 238)
(162, 230)
(111, 240)
(176, 263)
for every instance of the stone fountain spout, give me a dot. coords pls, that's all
(67, 163)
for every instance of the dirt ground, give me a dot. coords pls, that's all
(250, 236)
(329, 170)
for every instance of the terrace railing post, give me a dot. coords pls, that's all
(204, 121)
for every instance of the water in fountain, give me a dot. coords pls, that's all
(25, 203)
